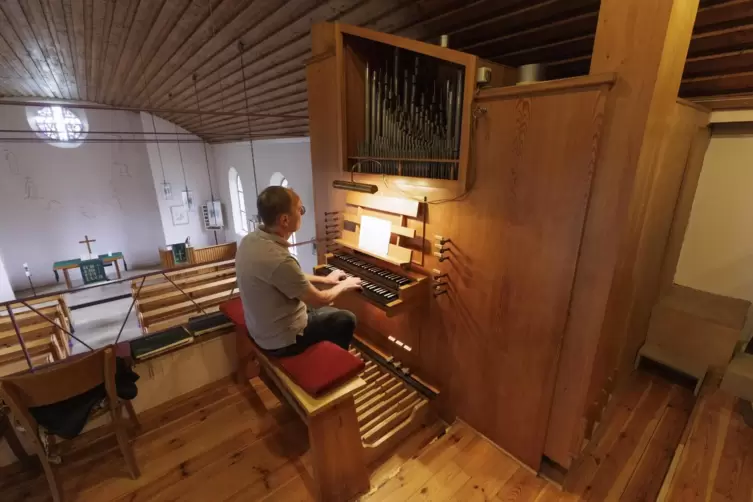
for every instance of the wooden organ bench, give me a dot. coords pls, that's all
(356, 421)
(45, 342)
(160, 304)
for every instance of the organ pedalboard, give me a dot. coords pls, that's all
(384, 287)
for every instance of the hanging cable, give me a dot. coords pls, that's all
(222, 101)
(189, 197)
(214, 33)
(201, 126)
(166, 193)
(248, 118)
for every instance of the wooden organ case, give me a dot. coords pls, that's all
(487, 192)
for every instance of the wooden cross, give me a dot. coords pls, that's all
(88, 242)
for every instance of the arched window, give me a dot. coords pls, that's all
(62, 126)
(241, 203)
(279, 179)
(238, 202)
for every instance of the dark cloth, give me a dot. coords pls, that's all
(68, 418)
(325, 323)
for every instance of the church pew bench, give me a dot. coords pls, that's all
(180, 320)
(160, 305)
(35, 332)
(170, 312)
(178, 275)
(40, 336)
(171, 296)
(39, 347)
(21, 365)
(338, 457)
(28, 317)
(162, 287)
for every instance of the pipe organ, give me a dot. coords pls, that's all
(484, 193)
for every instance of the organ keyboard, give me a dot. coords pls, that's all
(389, 290)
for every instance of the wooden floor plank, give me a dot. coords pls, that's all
(159, 455)
(489, 469)
(295, 490)
(694, 471)
(442, 485)
(407, 479)
(646, 480)
(224, 444)
(616, 417)
(639, 426)
(523, 486)
(732, 461)
(246, 473)
(743, 489)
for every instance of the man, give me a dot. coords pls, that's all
(275, 291)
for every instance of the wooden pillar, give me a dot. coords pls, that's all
(325, 98)
(645, 42)
(337, 453)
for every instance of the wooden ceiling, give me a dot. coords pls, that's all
(145, 53)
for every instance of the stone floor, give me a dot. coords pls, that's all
(97, 325)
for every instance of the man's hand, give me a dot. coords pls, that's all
(351, 283)
(336, 276)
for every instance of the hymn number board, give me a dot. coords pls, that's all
(93, 271)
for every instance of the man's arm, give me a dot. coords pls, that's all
(333, 278)
(319, 298)
(318, 279)
(293, 283)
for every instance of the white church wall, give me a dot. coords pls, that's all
(50, 197)
(289, 157)
(6, 292)
(169, 161)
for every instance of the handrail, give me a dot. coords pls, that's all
(108, 283)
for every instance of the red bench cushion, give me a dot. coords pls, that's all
(319, 369)
(234, 310)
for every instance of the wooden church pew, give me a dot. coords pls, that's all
(44, 341)
(160, 305)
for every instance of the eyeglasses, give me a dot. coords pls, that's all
(302, 210)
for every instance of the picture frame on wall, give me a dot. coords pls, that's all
(187, 196)
(180, 215)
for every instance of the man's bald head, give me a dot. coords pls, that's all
(274, 202)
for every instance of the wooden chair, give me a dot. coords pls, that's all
(62, 381)
(7, 433)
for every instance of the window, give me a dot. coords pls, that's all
(241, 203)
(61, 125)
(238, 202)
(279, 179)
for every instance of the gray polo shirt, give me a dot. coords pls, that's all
(271, 283)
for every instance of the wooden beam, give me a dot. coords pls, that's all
(490, 18)
(721, 63)
(195, 30)
(568, 67)
(162, 26)
(131, 66)
(714, 85)
(723, 13)
(219, 50)
(741, 101)
(650, 70)
(723, 39)
(288, 23)
(561, 49)
(538, 35)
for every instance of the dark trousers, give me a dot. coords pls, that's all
(325, 323)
